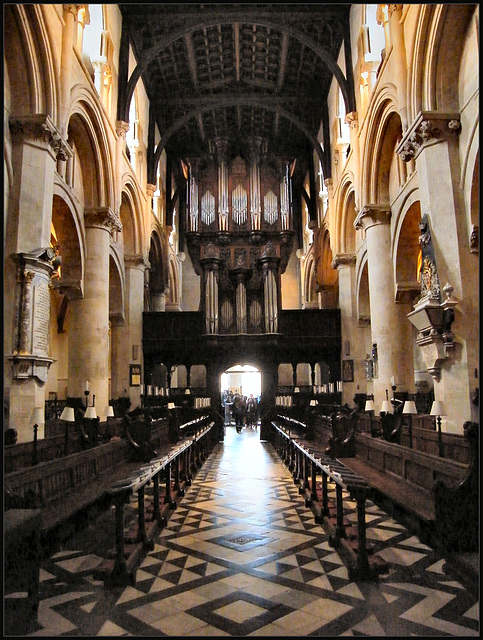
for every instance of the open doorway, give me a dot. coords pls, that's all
(244, 380)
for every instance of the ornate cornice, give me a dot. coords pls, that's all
(373, 214)
(102, 218)
(428, 128)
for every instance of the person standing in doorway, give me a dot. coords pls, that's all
(252, 411)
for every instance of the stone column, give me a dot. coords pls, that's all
(432, 143)
(126, 337)
(89, 317)
(121, 129)
(36, 144)
(396, 31)
(390, 329)
(352, 335)
(352, 120)
(68, 35)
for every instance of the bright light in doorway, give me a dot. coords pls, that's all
(244, 378)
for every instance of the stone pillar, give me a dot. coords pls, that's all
(121, 129)
(432, 143)
(270, 264)
(68, 36)
(89, 317)
(254, 146)
(36, 144)
(396, 30)
(352, 335)
(390, 329)
(126, 337)
(223, 206)
(99, 67)
(352, 120)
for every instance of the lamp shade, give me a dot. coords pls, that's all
(387, 407)
(438, 408)
(410, 407)
(68, 414)
(170, 405)
(90, 413)
(313, 403)
(370, 406)
(109, 411)
(37, 415)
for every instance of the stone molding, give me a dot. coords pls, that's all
(371, 215)
(428, 128)
(343, 260)
(102, 218)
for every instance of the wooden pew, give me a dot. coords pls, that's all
(301, 456)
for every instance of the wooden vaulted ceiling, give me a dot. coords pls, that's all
(237, 70)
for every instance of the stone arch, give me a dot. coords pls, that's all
(117, 282)
(383, 132)
(439, 41)
(327, 276)
(362, 293)
(346, 241)
(310, 280)
(406, 251)
(87, 135)
(29, 56)
(158, 278)
(173, 297)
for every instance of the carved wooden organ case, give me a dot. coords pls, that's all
(239, 235)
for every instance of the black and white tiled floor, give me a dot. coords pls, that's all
(242, 556)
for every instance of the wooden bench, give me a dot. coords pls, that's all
(121, 570)
(305, 461)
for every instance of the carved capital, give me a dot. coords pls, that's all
(102, 218)
(41, 130)
(150, 190)
(427, 129)
(137, 261)
(122, 128)
(343, 260)
(370, 215)
(352, 119)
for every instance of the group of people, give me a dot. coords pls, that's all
(243, 409)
